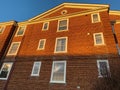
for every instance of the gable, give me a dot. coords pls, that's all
(68, 8)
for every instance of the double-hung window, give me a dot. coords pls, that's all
(14, 48)
(45, 26)
(98, 39)
(103, 68)
(36, 69)
(58, 74)
(20, 31)
(95, 17)
(41, 44)
(5, 70)
(61, 45)
(62, 25)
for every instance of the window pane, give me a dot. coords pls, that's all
(13, 48)
(58, 71)
(61, 44)
(98, 39)
(45, 26)
(103, 68)
(21, 31)
(5, 70)
(63, 25)
(95, 17)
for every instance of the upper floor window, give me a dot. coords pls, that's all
(36, 69)
(1, 29)
(58, 74)
(20, 31)
(41, 44)
(103, 68)
(95, 18)
(45, 26)
(63, 25)
(5, 70)
(98, 39)
(13, 48)
(61, 45)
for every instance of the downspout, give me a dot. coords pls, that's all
(115, 38)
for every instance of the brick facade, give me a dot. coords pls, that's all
(81, 56)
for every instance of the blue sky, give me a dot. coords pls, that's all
(21, 10)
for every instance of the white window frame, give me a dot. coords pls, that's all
(98, 65)
(2, 27)
(8, 71)
(44, 25)
(93, 19)
(102, 37)
(59, 23)
(32, 74)
(51, 81)
(19, 29)
(65, 45)
(11, 47)
(43, 44)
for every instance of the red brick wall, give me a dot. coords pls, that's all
(79, 42)
(5, 38)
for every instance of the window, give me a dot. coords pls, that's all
(63, 25)
(58, 74)
(14, 48)
(98, 39)
(61, 45)
(5, 70)
(1, 29)
(41, 44)
(95, 18)
(36, 69)
(45, 26)
(103, 68)
(20, 31)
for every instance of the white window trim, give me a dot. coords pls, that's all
(8, 71)
(3, 29)
(103, 42)
(65, 45)
(43, 45)
(51, 81)
(38, 70)
(18, 30)
(11, 47)
(58, 25)
(98, 18)
(98, 65)
(43, 26)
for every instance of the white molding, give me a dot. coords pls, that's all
(59, 22)
(11, 47)
(47, 26)
(103, 42)
(51, 81)
(43, 44)
(18, 31)
(8, 69)
(2, 27)
(34, 67)
(65, 45)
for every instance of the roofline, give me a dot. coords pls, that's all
(114, 12)
(73, 5)
(9, 23)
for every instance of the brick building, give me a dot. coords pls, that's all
(65, 48)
